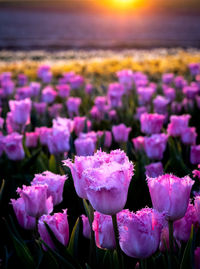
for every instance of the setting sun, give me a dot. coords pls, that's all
(126, 4)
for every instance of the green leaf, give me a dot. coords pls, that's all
(63, 261)
(115, 260)
(2, 189)
(187, 255)
(73, 243)
(30, 160)
(52, 164)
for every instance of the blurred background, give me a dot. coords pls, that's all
(115, 24)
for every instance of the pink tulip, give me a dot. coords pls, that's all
(13, 147)
(115, 92)
(20, 111)
(180, 82)
(86, 227)
(55, 185)
(58, 223)
(104, 232)
(85, 146)
(189, 136)
(36, 200)
(160, 104)
(101, 103)
(167, 78)
(79, 124)
(145, 95)
(190, 91)
(154, 169)
(55, 110)
(73, 104)
(140, 233)
(121, 133)
(35, 88)
(151, 123)
(170, 94)
(177, 124)
(170, 195)
(24, 220)
(32, 139)
(155, 146)
(106, 189)
(126, 78)
(138, 143)
(108, 182)
(43, 134)
(182, 227)
(139, 111)
(107, 137)
(63, 90)
(40, 108)
(195, 154)
(76, 82)
(65, 123)
(197, 207)
(58, 140)
(88, 88)
(194, 68)
(48, 95)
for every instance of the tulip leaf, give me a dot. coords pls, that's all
(187, 255)
(63, 261)
(73, 243)
(26, 150)
(60, 249)
(115, 260)
(52, 164)
(21, 249)
(31, 159)
(2, 189)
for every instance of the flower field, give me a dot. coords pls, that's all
(100, 159)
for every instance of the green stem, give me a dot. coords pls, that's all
(116, 231)
(171, 243)
(92, 253)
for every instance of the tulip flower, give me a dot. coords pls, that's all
(170, 195)
(58, 223)
(140, 233)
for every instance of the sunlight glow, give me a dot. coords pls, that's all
(126, 4)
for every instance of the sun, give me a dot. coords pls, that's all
(125, 4)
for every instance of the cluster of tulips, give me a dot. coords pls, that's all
(137, 134)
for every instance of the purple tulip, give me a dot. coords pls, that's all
(177, 124)
(58, 223)
(121, 133)
(20, 111)
(155, 146)
(195, 154)
(154, 169)
(13, 147)
(170, 195)
(24, 220)
(73, 104)
(36, 201)
(86, 227)
(189, 136)
(140, 234)
(48, 95)
(32, 139)
(182, 227)
(55, 185)
(151, 123)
